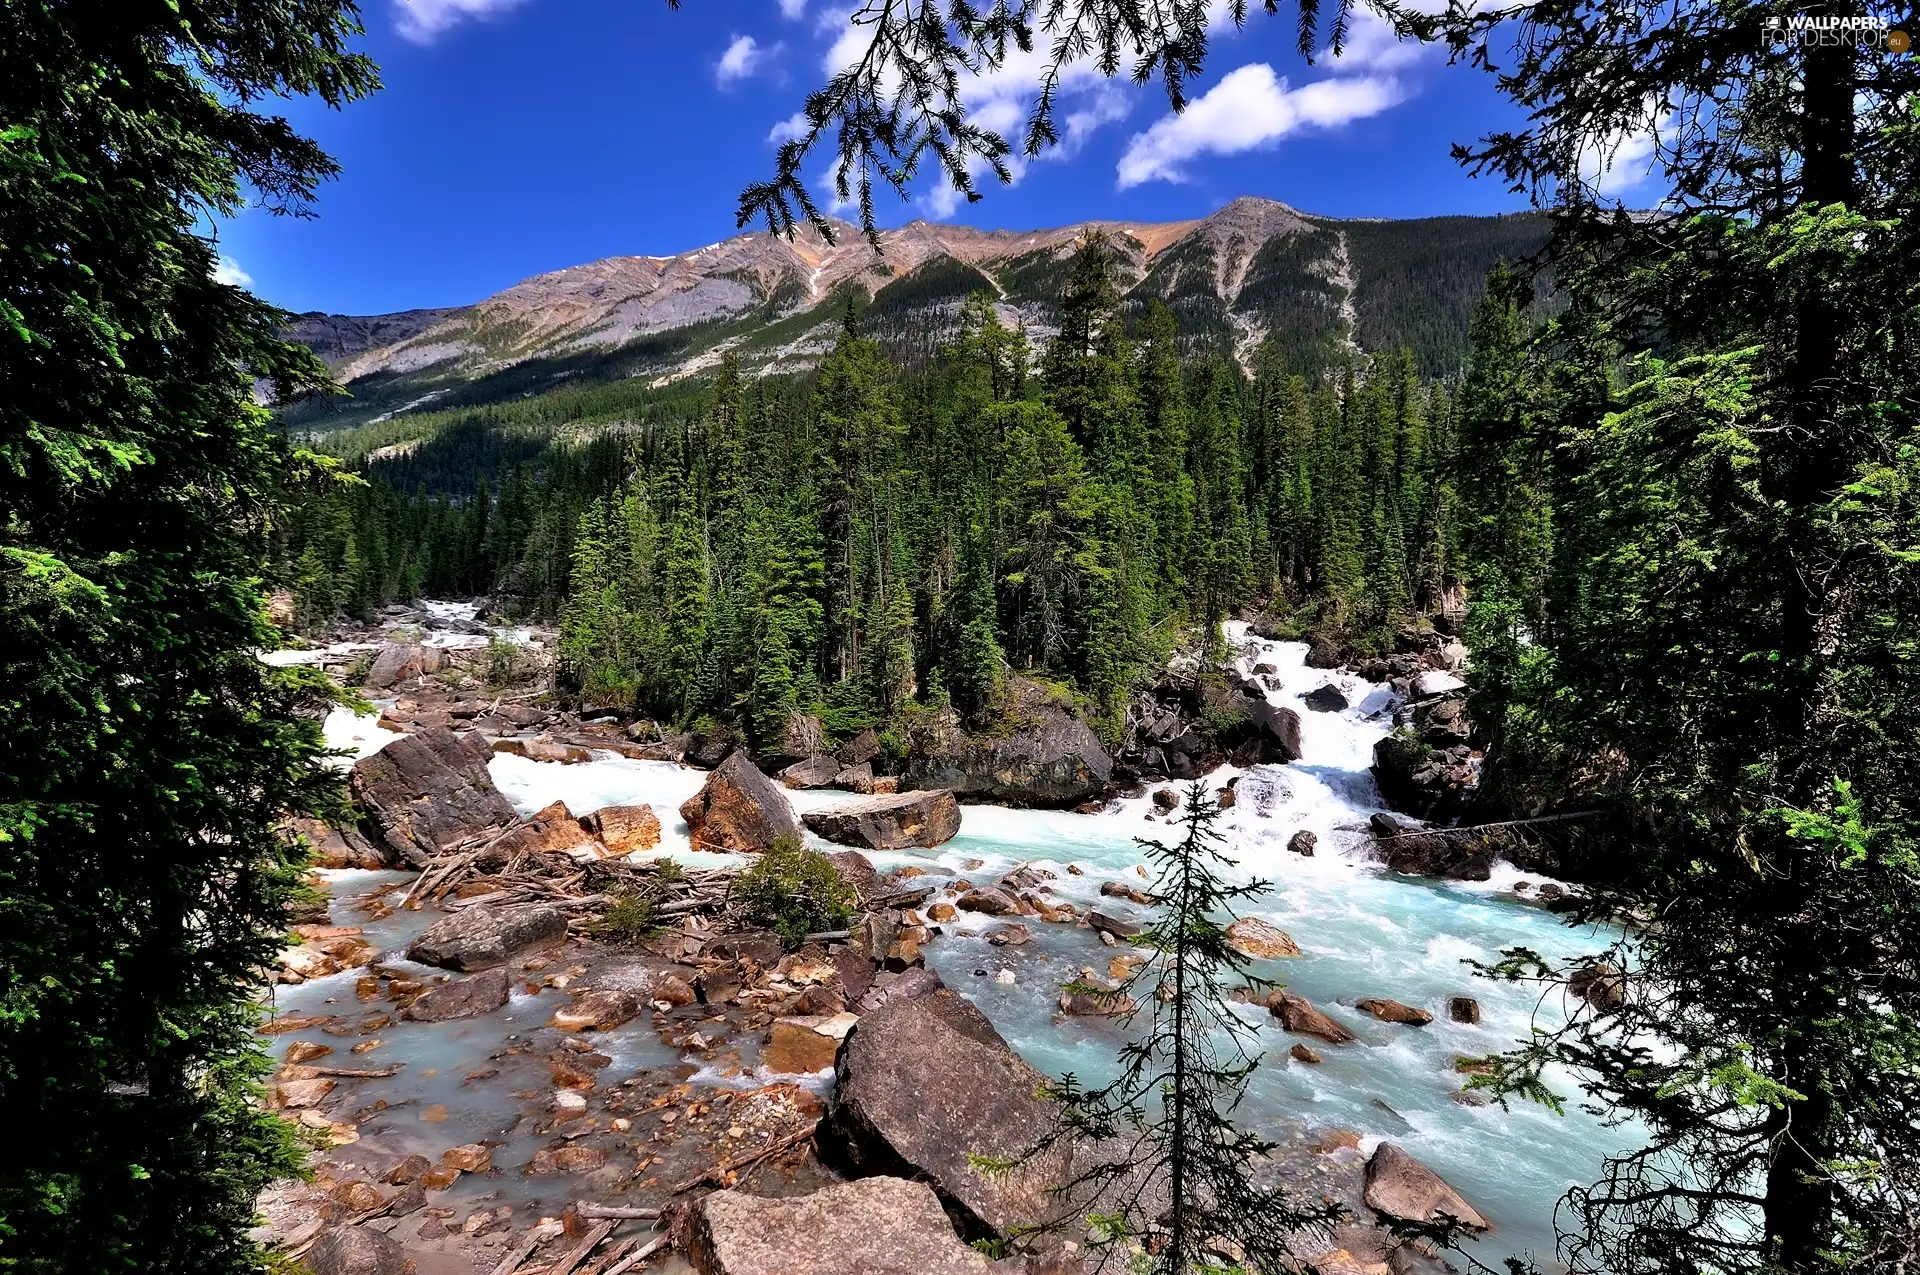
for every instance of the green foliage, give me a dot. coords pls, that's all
(628, 919)
(144, 885)
(793, 891)
(505, 662)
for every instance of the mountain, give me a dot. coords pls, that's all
(1255, 270)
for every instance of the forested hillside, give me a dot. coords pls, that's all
(867, 537)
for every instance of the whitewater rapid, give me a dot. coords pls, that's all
(1363, 932)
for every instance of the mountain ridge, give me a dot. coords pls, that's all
(1253, 270)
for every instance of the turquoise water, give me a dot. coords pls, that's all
(1363, 933)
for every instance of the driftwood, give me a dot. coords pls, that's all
(353, 1073)
(520, 1252)
(718, 1173)
(620, 1212)
(1483, 827)
(634, 1259)
(588, 1242)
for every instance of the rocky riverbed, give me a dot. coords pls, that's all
(499, 1087)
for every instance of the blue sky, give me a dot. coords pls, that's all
(519, 136)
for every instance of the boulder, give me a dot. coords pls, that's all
(1392, 1011)
(1326, 699)
(1428, 783)
(356, 1250)
(1277, 729)
(1302, 843)
(480, 937)
(990, 900)
(1443, 723)
(1303, 1054)
(470, 1158)
(1463, 1009)
(1402, 1189)
(861, 749)
(1436, 682)
(875, 1226)
(543, 750)
(924, 1085)
(709, 747)
(404, 663)
(1042, 756)
(340, 847)
(600, 1010)
(1453, 856)
(1263, 940)
(803, 1045)
(625, 829)
(924, 817)
(1165, 799)
(856, 779)
(427, 791)
(551, 830)
(1297, 1014)
(480, 993)
(1599, 986)
(738, 810)
(817, 771)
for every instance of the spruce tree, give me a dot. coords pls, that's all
(145, 882)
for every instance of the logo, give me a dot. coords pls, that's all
(1810, 31)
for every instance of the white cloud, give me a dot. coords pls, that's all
(743, 58)
(1250, 108)
(1622, 160)
(790, 129)
(793, 10)
(422, 21)
(1371, 45)
(228, 271)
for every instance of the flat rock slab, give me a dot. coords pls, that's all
(1297, 1014)
(876, 1226)
(1263, 940)
(463, 998)
(925, 818)
(426, 791)
(740, 810)
(478, 938)
(1405, 1190)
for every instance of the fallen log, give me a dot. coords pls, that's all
(634, 1259)
(619, 1212)
(1482, 827)
(588, 1242)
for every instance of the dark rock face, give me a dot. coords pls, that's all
(341, 847)
(801, 738)
(356, 1250)
(708, 748)
(925, 817)
(739, 810)
(1302, 843)
(1049, 759)
(1278, 729)
(1455, 855)
(404, 663)
(1443, 723)
(1463, 1009)
(817, 771)
(481, 937)
(1428, 783)
(1189, 724)
(861, 749)
(1326, 699)
(1402, 1189)
(462, 998)
(924, 1084)
(427, 791)
(876, 1226)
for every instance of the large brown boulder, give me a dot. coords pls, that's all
(923, 1085)
(739, 810)
(876, 1226)
(404, 663)
(861, 749)
(553, 830)
(340, 847)
(625, 829)
(817, 771)
(921, 818)
(481, 937)
(1401, 1188)
(356, 1250)
(1041, 756)
(428, 791)
(462, 998)
(1297, 1014)
(1263, 940)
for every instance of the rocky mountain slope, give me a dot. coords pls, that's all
(1255, 269)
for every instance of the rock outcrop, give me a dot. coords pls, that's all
(356, 1250)
(341, 847)
(481, 937)
(427, 791)
(463, 998)
(1326, 699)
(875, 1226)
(924, 1084)
(1402, 1189)
(739, 809)
(924, 817)
(625, 829)
(1042, 756)
(817, 771)
(1425, 782)
(404, 663)
(1188, 723)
